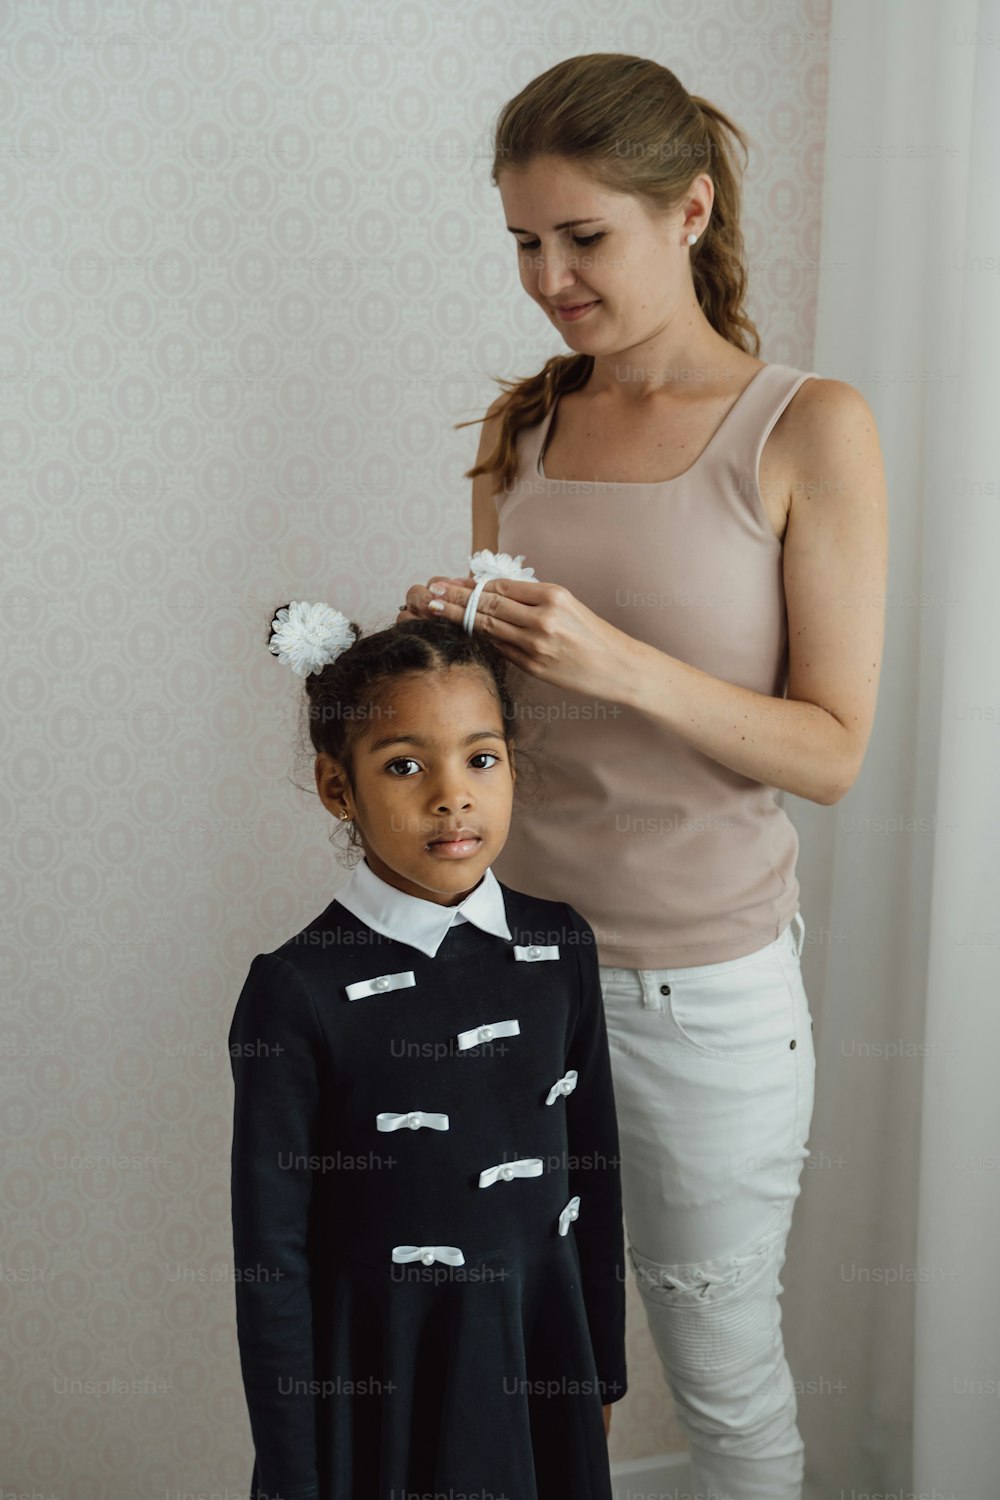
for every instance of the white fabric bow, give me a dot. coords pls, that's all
(449, 1255)
(404, 980)
(414, 1119)
(308, 636)
(570, 1212)
(484, 565)
(477, 1034)
(525, 1166)
(533, 953)
(564, 1085)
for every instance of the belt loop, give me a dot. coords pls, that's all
(650, 992)
(798, 918)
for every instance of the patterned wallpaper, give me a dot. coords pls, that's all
(252, 270)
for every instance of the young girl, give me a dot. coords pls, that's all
(427, 1224)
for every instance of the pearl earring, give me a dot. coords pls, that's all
(692, 238)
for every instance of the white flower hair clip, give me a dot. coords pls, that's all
(308, 636)
(483, 566)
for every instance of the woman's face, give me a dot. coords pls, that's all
(433, 760)
(633, 265)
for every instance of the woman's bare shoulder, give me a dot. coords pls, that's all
(495, 408)
(821, 417)
(820, 400)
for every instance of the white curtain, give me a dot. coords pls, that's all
(892, 1287)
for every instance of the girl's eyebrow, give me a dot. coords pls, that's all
(413, 739)
(569, 224)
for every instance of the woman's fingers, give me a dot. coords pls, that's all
(507, 607)
(510, 631)
(418, 594)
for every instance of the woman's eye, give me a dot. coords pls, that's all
(489, 755)
(590, 239)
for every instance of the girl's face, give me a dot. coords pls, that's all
(633, 264)
(433, 762)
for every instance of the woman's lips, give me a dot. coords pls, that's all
(570, 314)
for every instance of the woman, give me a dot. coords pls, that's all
(710, 534)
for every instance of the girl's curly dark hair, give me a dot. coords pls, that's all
(348, 692)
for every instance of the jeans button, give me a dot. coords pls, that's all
(664, 989)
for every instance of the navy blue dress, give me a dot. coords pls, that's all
(426, 1201)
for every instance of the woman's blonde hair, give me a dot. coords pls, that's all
(633, 127)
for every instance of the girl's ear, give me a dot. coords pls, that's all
(332, 785)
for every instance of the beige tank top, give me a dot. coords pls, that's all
(673, 859)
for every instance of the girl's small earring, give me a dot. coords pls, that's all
(692, 239)
(344, 815)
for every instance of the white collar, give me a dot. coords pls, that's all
(414, 920)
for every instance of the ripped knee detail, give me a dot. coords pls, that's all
(708, 1280)
(717, 1320)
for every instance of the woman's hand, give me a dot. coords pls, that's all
(410, 610)
(540, 627)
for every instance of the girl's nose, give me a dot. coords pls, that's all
(451, 796)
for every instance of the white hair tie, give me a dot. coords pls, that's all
(308, 636)
(483, 566)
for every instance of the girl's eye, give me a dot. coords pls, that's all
(590, 239)
(407, 760)
(404, 760)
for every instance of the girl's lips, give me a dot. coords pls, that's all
(454, 848)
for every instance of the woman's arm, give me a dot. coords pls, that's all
(813, 741)
(485, 521)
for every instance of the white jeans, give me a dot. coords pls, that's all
(713, 1070)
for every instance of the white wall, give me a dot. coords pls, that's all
(252, 271)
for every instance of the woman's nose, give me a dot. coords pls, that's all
(553, 272)
(553, 282)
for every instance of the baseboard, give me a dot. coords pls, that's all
(667, 1476)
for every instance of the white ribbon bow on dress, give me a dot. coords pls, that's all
(404, 980)
(564, 1085)
(534, 952)
(484, 565)
(449, 1255)
(415, 1118)
(526, 1166)
(478, 1034)
(570, 1212)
